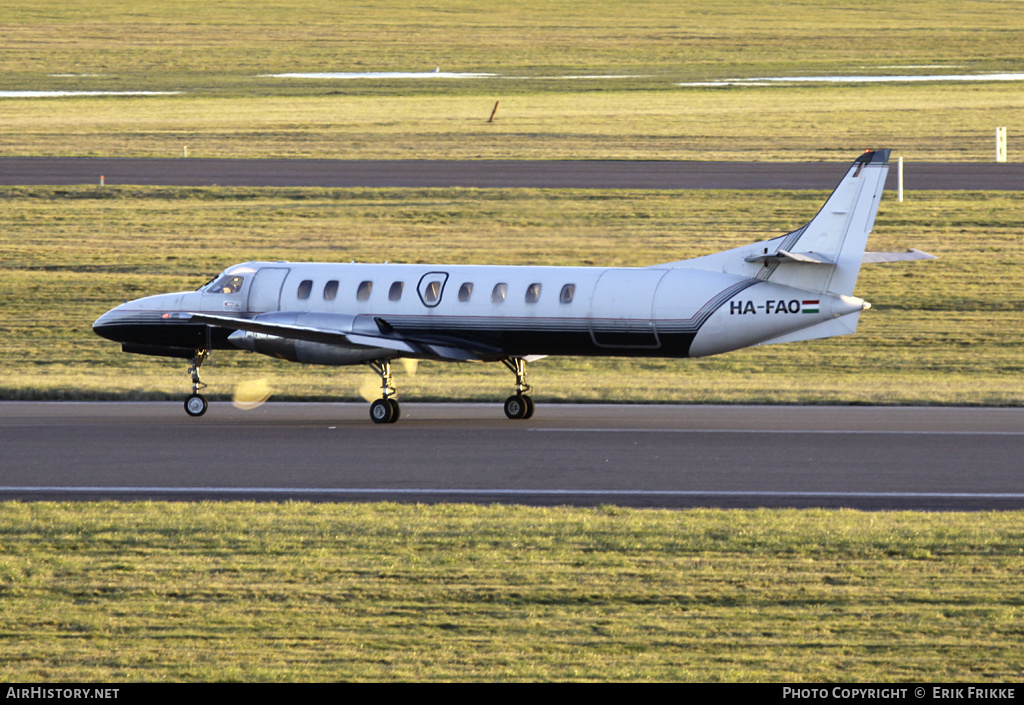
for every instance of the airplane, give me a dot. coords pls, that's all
(798, 286)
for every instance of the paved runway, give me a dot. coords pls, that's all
(491, 174)
(646, 456)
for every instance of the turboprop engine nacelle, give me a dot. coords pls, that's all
(303, 350)
(310, 351)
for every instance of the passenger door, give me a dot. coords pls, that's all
(265, 291)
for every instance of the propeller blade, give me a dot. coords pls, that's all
(370, 388)
(251, 394)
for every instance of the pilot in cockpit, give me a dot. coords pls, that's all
(228, 284)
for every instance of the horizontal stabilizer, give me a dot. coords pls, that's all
(784, 256)
(908, 256)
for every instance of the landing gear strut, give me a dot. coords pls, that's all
(519, 405)
(385, 409)
(195, 404)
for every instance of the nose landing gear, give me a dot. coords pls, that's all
(196, 404)
(519, 405)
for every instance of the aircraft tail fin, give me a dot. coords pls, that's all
(825, 254)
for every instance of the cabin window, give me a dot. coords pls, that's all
(431, 292)
(331, 290)
(532, 293)
(567, 293)
(465, 291)
(363, 292)
(431, 288)
(228, 284)
(305, 287)
(395, 292)
(498, 293)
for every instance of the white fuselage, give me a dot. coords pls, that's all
(491, 311)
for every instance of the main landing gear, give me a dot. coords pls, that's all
(385, 409)
(519, 405)
(195, 404)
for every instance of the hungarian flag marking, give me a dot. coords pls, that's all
(810, 306)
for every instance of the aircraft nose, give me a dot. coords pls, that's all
(105, 325)
(127, 322)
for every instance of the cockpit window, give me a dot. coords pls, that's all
(228, 284)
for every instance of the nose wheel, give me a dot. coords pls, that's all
(196, 404)
(519, 405)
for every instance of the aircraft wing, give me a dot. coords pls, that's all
(330, 330)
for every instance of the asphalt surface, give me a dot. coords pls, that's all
(491, 174)
(929, 458)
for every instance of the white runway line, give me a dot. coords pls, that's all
(784, 80)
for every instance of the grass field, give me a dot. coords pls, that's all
(121, 592)
(944, 332)
(231, 45)
(220, 56)
(923, 123)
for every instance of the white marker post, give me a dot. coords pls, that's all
(899, 180)
(1000, 144)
